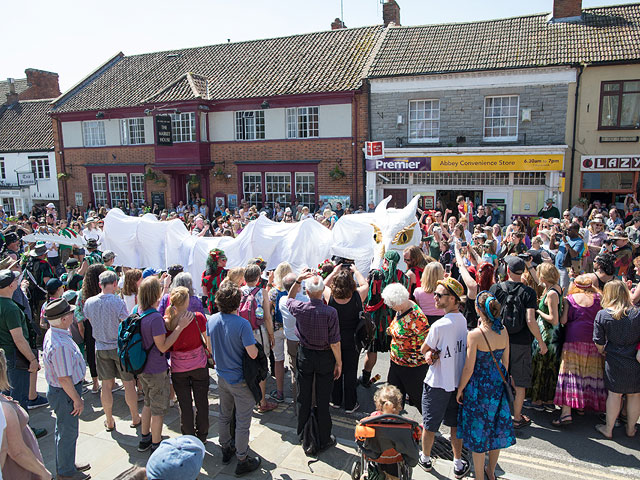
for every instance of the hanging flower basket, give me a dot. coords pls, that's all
(337, 173)
(64, 176)
(150, 175)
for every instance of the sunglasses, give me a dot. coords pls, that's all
(440, 295)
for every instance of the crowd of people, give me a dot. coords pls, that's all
(485, 322)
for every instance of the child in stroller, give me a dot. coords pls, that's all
(387, 442)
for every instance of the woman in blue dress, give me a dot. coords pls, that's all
(484, 419)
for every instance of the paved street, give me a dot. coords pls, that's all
(540, 453)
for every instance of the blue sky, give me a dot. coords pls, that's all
(74, 37)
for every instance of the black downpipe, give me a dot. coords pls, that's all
(364, 161)
(573, 141)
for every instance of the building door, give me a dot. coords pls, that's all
(398, 197)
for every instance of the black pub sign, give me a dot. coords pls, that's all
(163, 127)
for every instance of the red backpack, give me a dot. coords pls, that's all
(248, 307)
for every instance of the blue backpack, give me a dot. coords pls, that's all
(131, 351)
(278, 314)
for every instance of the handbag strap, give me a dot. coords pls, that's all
(504, 380)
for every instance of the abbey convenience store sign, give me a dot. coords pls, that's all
(469, 163)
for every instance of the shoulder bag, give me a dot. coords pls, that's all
(508, 388)
(210, 362)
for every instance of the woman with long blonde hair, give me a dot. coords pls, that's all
(189, 373)
(616, 334)
(423, 294)
(581, 375)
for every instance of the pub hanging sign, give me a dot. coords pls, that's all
(163, 127)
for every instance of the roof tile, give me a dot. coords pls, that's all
(26, 126)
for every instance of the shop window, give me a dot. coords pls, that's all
(99, 184)
(302, 122)
(8, 206)
(250, 125)
(3, 172)
(396, 178)
(529, 178)
(608, 181)
(40, 167)
(620, 104)
(252, 189)
(278, 188)
(137, 188)
(132, 130)
(306, 188)
(118, 189)
(424, 121)
(460, 179)
(93, 134)
(183, 126)
(501, 118)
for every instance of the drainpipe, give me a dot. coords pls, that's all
(575, 125)
(364, 161)
(354, 104)
(62, 166)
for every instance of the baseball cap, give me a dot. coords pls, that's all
(6, 277)
(516, 264)
(108, 255)
(176, 459)
(50, 205)
(148, 272)
(453, 286)
(70, 296)
(53, 284)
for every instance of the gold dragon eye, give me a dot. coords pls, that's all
(377, 233)
(404, 236)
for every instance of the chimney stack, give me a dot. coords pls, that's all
(566, 10)
(337, 24)
(390, 12)
(12, 96)
(42, 84)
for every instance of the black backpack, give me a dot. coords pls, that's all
(311, 435)
(514, 314)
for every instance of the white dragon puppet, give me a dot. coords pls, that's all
(146, 242)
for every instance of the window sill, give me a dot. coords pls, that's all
(623, 129)
(500, 140)
(425, 141)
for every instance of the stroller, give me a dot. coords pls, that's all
(386, 441)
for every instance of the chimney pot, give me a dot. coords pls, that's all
(337, 24)
(566, 10)
(390, 12)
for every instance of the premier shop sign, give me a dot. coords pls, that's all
(399, 164)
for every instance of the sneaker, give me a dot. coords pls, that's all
(425, 464)
(278, 398)
(334, 405)
(227, 455)
(459, 473)
(39, 432)
(38, 402)
(248, 465)
(331, 443)
(145, 443)
(154, 446)
(117, 387)
(538, 407)
(363, 383)
(549, 407)
(354, 409)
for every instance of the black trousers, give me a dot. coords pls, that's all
(344, 388)
(193, 387)
(90, 348)
(318, 365)
(409, 381)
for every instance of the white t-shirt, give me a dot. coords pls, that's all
(449, 335)
(288, 320)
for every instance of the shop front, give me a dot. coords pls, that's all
(609, 178)
(517, 181)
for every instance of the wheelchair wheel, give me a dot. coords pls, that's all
(356, 470)
(405, 471)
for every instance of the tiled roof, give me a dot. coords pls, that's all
(26, 126)
(188, 87)
(607, 34)
(327, 61)
(20, 85)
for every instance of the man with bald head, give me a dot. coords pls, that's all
(319, 357)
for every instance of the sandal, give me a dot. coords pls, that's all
(600, 428)
(562, 421)
(635, 430)
(523, 422)
(486, 474)
(580, 411)
(267, 407)
(135, 425)
(109, 429)
(95, 390)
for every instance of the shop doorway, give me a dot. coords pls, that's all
(398, 197)
(193, 187)
(448, 198)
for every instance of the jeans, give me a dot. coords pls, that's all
(19, 380)
(90, 345)
(240, 396)
(196, 381)
(66, 433)
(344, 388)
(316, 364)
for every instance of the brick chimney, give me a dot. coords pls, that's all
(12, 96)
(566, 10)
(337, 24)
(390, 12)
(42, 84)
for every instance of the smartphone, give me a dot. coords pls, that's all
(463, 244)
(447, 269)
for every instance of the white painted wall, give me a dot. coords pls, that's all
(112, 132)
(72, 134)
(149, 135)
(335, 120)
(274, 124)
(45, 190)
(221, 126)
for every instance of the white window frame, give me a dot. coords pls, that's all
(305, 188)
(9, 206)
(280, 196)
(249, 125)
(99, 187)
(183, 127)
(118, 185)
(40, 167)
(303, 122)
(93, 133)
(136, 182)
(424, 120)
(246, 194)
(496, 121)
(132, 131)
(3, 171)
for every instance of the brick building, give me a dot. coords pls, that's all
(280, 119)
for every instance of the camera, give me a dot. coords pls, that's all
(463, 244)
(608, 241)
(339, 261)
